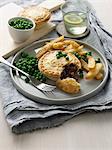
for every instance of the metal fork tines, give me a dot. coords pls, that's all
(49, 94)
(46, 87)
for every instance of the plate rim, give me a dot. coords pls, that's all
(62, 100)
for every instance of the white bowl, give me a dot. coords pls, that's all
(20, 35)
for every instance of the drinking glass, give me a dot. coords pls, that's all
(75, 17)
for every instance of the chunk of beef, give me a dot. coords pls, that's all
(70, 70)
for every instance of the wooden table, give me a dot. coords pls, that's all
(89, 131)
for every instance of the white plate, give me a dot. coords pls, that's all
(88, 88)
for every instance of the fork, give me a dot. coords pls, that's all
(45, 88)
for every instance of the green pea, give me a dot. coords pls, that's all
(44, 79)
(23, 68)
(57, 56)
(27, 80)
(79, 57)
(64, 55)
(81, 75)
(85, 58)
(26, 27)
(61, 55)
(89, 54)
(24, 55)
(67, 58)
(59, 52)
(19, 66)
(98, 60)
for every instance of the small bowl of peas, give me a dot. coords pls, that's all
(21, 28)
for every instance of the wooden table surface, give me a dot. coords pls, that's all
(89, 131)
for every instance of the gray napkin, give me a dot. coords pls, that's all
(25, 115)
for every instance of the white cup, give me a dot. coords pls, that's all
(20, 35)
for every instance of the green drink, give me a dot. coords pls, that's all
(75, 22)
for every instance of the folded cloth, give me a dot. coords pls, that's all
(23, 114)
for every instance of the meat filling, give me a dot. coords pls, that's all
(70, 70)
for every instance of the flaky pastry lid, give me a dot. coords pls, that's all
(38, 14)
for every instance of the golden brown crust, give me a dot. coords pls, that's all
(38, 14)
(52, 67)
(44, 50)
(48, 47)
(68, 85)
(73, 59)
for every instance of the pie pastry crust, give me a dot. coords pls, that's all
(38, 14)
(68, 85)
(52, 67)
